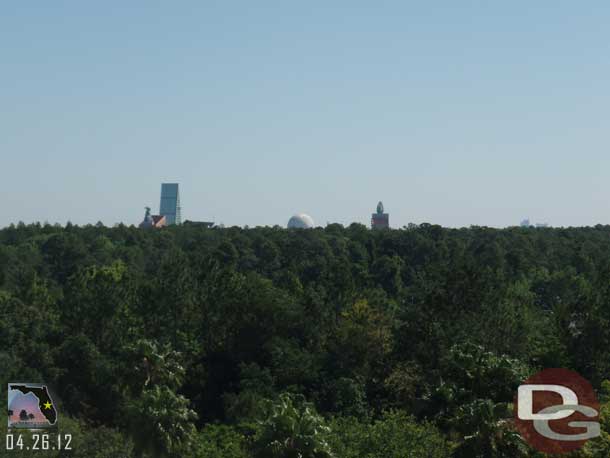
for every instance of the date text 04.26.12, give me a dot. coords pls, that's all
(36, 441)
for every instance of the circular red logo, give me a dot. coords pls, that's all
(556, 411)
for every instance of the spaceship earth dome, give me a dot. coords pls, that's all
(300, 221)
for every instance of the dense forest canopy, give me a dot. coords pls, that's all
(265, 342)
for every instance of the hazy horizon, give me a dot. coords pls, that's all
(457, 115)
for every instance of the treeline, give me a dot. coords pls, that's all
(193, 342)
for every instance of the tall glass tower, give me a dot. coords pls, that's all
(170, 203)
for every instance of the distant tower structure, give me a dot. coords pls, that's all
(380, 220)
(152, 221)
(170, 203)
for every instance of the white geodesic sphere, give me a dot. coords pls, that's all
(300, 221)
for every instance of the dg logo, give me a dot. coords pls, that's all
(557, 411)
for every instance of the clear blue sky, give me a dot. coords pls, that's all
(454, 113)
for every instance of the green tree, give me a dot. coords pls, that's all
(161, 423)
(291, 428)
(394, 435)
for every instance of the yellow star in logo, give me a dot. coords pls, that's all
(47, 405)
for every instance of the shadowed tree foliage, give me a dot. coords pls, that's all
(193, 342)
(291, 428)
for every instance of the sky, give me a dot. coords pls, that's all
(452, 113)
(29, 402)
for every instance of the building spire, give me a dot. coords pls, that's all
(380, 208)
(380, 220)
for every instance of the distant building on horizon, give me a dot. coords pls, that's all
(152, 221)
(301, 221)
(380, 220)
(170, 203)
(526, 223)
(207, 224)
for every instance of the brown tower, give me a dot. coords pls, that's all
(380, 220)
